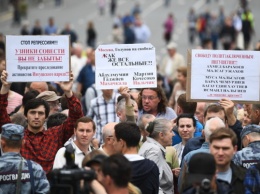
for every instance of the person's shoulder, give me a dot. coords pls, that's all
(61, 151)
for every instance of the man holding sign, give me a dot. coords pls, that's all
(41, 145)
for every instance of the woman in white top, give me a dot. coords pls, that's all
(160, 136)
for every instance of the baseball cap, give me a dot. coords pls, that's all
(172, 45)
(201, 166)
(96, 159)
(12, 131)
(48, 96)
(249, 129)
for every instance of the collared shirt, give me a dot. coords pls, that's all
(60, 160)
(103, 112)
(169, 114)
(9, 165)
(153, 150)
(43, 146)
(248, 156)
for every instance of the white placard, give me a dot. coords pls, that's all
(217, 74)
(37, 58)
(131, 65)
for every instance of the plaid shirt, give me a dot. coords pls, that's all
(252, 180)
(43, 146)
(103, 112)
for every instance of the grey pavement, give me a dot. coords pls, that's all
(79, 12)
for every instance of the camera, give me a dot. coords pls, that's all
(70, 179)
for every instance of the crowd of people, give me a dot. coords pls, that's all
(148, 140)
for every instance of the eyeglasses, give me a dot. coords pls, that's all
(149, 97)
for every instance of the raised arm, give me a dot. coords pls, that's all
(4, 117)
(75, 109)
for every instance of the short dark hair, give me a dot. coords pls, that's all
(35, 103)
(31, 94)
(115, 166)
(56, 119)
(85, 120)
(129, 132)
(223, 133)
(185, 115)
(161, 95)
(12, 143)
(187, 107)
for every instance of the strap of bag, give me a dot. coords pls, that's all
(18, 183)
(31, 176)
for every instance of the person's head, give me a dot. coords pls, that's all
(94, 160)
(52, 99)
(77, 50)
(228, 21)
(207, 44)
(36, 111)
(116, 171)
(255, 114)
(108, 137)
(19, 119)
(201, 106)
(56, 119)
(31, 94)
(182, 75)
(108, 93)
(127, 135)
(84, 131)
(185, 107)
(90, 25)
(223, 146)
(186, 124)
(211, 125)
(143, 121)
(201, 166)
(152, 100)
(51, 21)
(249, 134)
(246, 119)
(12, 137)
(214, 110)
(171, 48)
(121, 111)
(161, 130)
(37, 23)
(39, 86)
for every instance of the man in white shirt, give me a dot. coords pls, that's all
(84, 131)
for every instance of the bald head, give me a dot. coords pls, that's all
(108, 130)
(212, 125)
(39, 86)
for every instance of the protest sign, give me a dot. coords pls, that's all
(217, 74)
(37, 58)
(131, 65)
